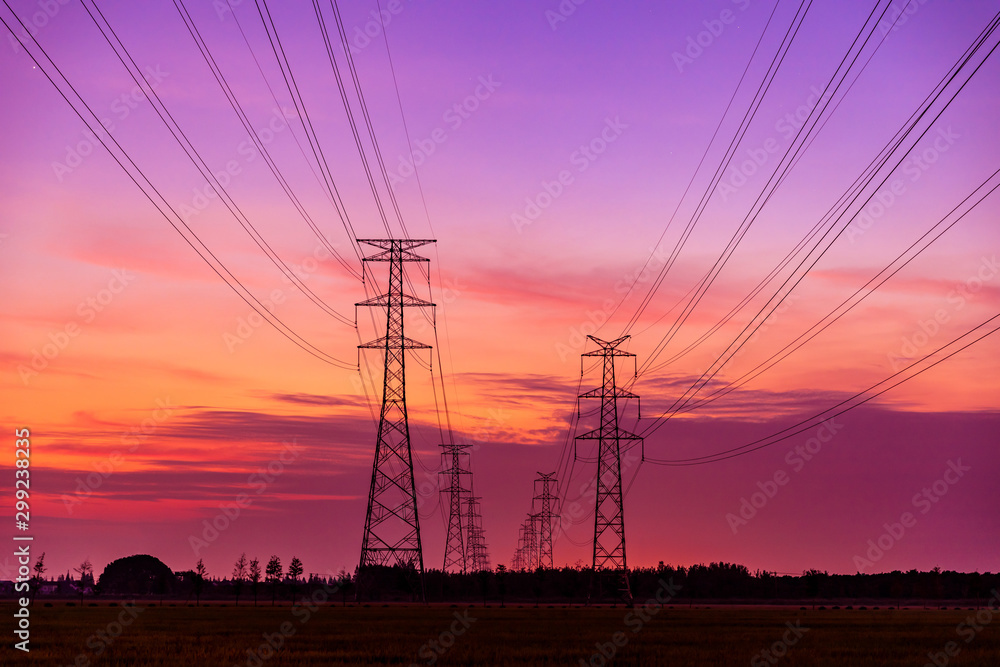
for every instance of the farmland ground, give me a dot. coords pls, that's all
(220, 635)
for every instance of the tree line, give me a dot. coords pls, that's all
(146, 576)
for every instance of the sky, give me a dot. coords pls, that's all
(561, 149)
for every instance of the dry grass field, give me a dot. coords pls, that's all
(219, 635)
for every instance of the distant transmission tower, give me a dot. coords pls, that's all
(455, 553)
(531, 542)
(545, 499)
(392, 526)
(479, 559)
(609, 514)
(517, 563)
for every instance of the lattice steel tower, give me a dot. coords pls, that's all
(475, 543)
(392, 526)
(545, 500)
(455, 547)
(517, 563)
(609, 515)
(531, 541)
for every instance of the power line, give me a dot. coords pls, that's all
(350, 116)
(291, 84)
(430, 225)
(300, 108)
(707, 376)
(748, 117)
(816, 419)
(261, 147)
(853, 192)
(768, 190)
(328, 44)
(694, 174)
(198, 161)
(177, 222)
(359, 90)
(324, 185)
(857, 297)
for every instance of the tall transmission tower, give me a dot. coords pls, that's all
(455, 553)
(609, 514)
(545, 499)
(392, 526)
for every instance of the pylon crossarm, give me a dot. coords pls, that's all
(609, 344)
(618, 392)
(395, 342)
(405, 244)
(602, 434)
(396, 249)
(382, 300)
(608, 353)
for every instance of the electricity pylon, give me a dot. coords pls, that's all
(545, 500)
(479, 559)
(392, 525)
(609, 514)
(455, 552)
(531, 541)
(518, 562)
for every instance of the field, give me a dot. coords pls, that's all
(219, 635)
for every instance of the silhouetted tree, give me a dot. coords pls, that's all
(343, 582)
(199, 580)
(294, 572)
(86, 572)
(812, 580)
(37, 579)
(239, 574)
(254, 578)
(140, 574)
(273, 572)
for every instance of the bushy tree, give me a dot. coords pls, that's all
(254, 577)
(239, 575)
(344, 582)
(295, 570)
(37, 579)
(140, 574)
(273, 572)
(86, 572)
(199, 579)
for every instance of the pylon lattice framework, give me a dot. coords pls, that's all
(455, 551)
(609, 515)
(517, 563)
(479, 559)
(531, 542)
(545, 498)
(392, 526)
(534, 544)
